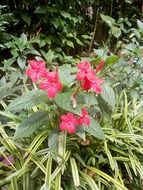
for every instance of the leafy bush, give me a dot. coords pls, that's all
(77, 124)
(39, 156)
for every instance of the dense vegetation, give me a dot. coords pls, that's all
(71, 95)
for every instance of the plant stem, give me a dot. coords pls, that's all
(94, 31)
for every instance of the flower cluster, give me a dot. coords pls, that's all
(88, 78)
(49, 81)
(69, 122)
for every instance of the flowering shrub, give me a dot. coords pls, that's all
(49, 81)
(58, 141)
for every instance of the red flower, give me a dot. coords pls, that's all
(51, 84)
(84, 69)
(69, 123)
(84, 119)
(37, 70)
(86, 84)
(100, 66)
(88, 78)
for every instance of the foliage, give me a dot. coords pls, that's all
(34, 153)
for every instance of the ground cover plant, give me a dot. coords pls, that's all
(71, 99)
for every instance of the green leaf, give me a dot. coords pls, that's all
(86, 99)
(108, 95)
(95, 129)
(41, 10)
(112, 59)
(75, 173)
(7, 90)
(103, 105)
(63, 100)
(65, 74)
(116, 31)
(81, 132)
(58, 182)
(23, 39)
(109, 20)
(140, 25)
(87, 37)
(89, 181)
(108, 178)
(69, 43)
(78, 42)
(21, 62)
(48, 173)
(66, 15)
(49, 56)
(26, 18)
(53, 141)
(28, 100)
(31, 124)
(55, 22)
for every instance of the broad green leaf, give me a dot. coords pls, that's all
(63, 100)
(104, 107)
(95, 129)
(26, 17)
(55, 22)
(87, 37)
(5, 89)
(112, 59)
(140, 25)
(41, 10)
(129, 1)
(21, 62)
(109, 20)
(65, 14)
(69, 43)
(81, 132)
(108, 94)
(65, 74)
(78, 42)
(32, 124)
(23, 39)
(116, 31)
(86, 99)
(49, 56)
(28, 100)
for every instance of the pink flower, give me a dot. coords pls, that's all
(96, 85)
(69, 123)
(84, 119)
(100, 66)
(93, 84)
(36, 70)
(51, 84)
(88, 77)
(9, 160)
(83, 69)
